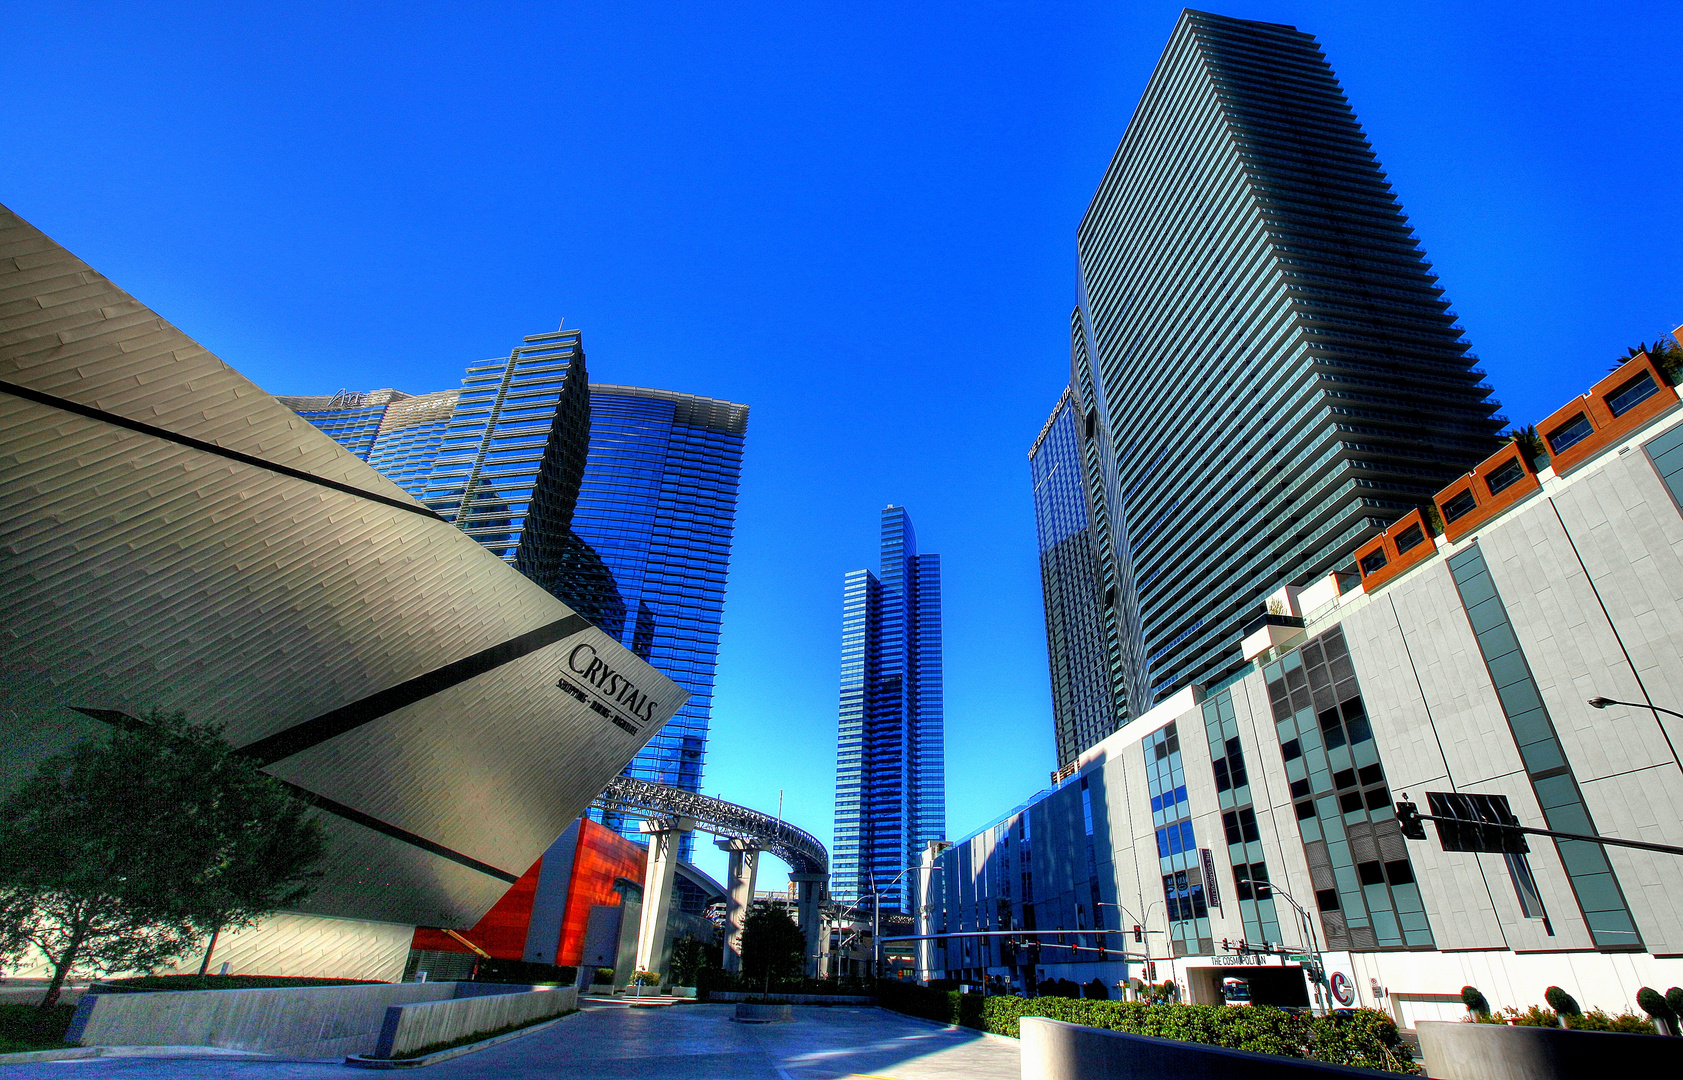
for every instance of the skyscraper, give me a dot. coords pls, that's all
(1270, 370)
(620, 501)
(890, 776)
(1083, 705)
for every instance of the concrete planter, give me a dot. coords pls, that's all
(750, 1013)
(1498, 1052)
(1054, 1050)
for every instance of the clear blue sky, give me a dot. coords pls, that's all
(858, 219)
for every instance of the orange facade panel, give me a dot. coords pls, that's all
(1500, 480)
(1406, 543)
(603, 857)
(1631, 396)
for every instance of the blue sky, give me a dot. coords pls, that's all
(858, 219)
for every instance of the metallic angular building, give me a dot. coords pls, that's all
(1269, 367)
(1083, 705)
(890, 773)
(174, 538)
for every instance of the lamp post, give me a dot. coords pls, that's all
(1308, 926)
(876, 915)
(1603, 702)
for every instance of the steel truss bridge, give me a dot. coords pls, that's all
(645, 799)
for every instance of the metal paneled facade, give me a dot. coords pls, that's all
(175, 538)
(1268, 353)
(890, 745)
(1083, 711)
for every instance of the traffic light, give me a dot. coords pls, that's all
(1225, 947)
(1139, 934)
(1408, 816)
(1151, 971)
(1480, 824)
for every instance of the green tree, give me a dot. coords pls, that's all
(773, 947)
(126, 851)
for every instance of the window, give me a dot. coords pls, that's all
(1505, 477)
(1305, 809)
(1371, 774)
(1525, 887)
(1327, 899)
(1398, 872)
(1291, 750)
(1373, 562)
(1377, 798)
(1092, 422)
(1370, 873)
(1350, 802)
(1344, 778)
(1299, 789)
(1632, 393)
(1460, 506)
(1410, 538)
(1569, 434)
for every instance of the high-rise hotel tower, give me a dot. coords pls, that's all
(1265, 372)
(890, 776)
(619, 500)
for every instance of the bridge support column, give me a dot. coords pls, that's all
(657, 888)
(739, 881)
(809, 891)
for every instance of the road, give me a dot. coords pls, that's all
(613, 1042)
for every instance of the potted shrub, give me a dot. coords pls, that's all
(1564, 1005)
(1475, 1002)
(1659, 1008)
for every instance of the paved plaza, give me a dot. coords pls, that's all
(613, 1042)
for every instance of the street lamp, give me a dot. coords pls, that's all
(1308, 925)
(876, 915)
(1603, 702)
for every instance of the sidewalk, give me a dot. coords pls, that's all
(615, 1042)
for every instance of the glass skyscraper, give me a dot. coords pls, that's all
(890, 773)
(1270, 372)
(619, 500)
(1083, 707)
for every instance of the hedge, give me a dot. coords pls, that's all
(1368, 1039)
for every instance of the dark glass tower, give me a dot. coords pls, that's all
(890, 774)
(1274, 373)
(619, 500)
(1083, 709)
(657, 509)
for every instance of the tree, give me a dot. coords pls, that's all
(1666, 355)
(124, 852)
(773, 947)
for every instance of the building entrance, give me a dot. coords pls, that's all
(1281, 986)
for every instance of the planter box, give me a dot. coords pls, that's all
(1498, 1052)
(793, 999)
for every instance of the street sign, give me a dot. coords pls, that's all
(1297, 958)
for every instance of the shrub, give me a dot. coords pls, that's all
(603, 975)
(1561, 1002)
(1674, 998)
(645, 978)
(1366, 1039)
(1597, 1020)
(1474, 1001)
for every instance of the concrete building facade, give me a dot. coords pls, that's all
(1453, 663)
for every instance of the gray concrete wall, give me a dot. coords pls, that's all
(409, 1027)
(307, 1021)
(1498, 1052)
(1054, 1050)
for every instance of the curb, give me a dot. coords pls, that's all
(362, 1062)
(69, 1053)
